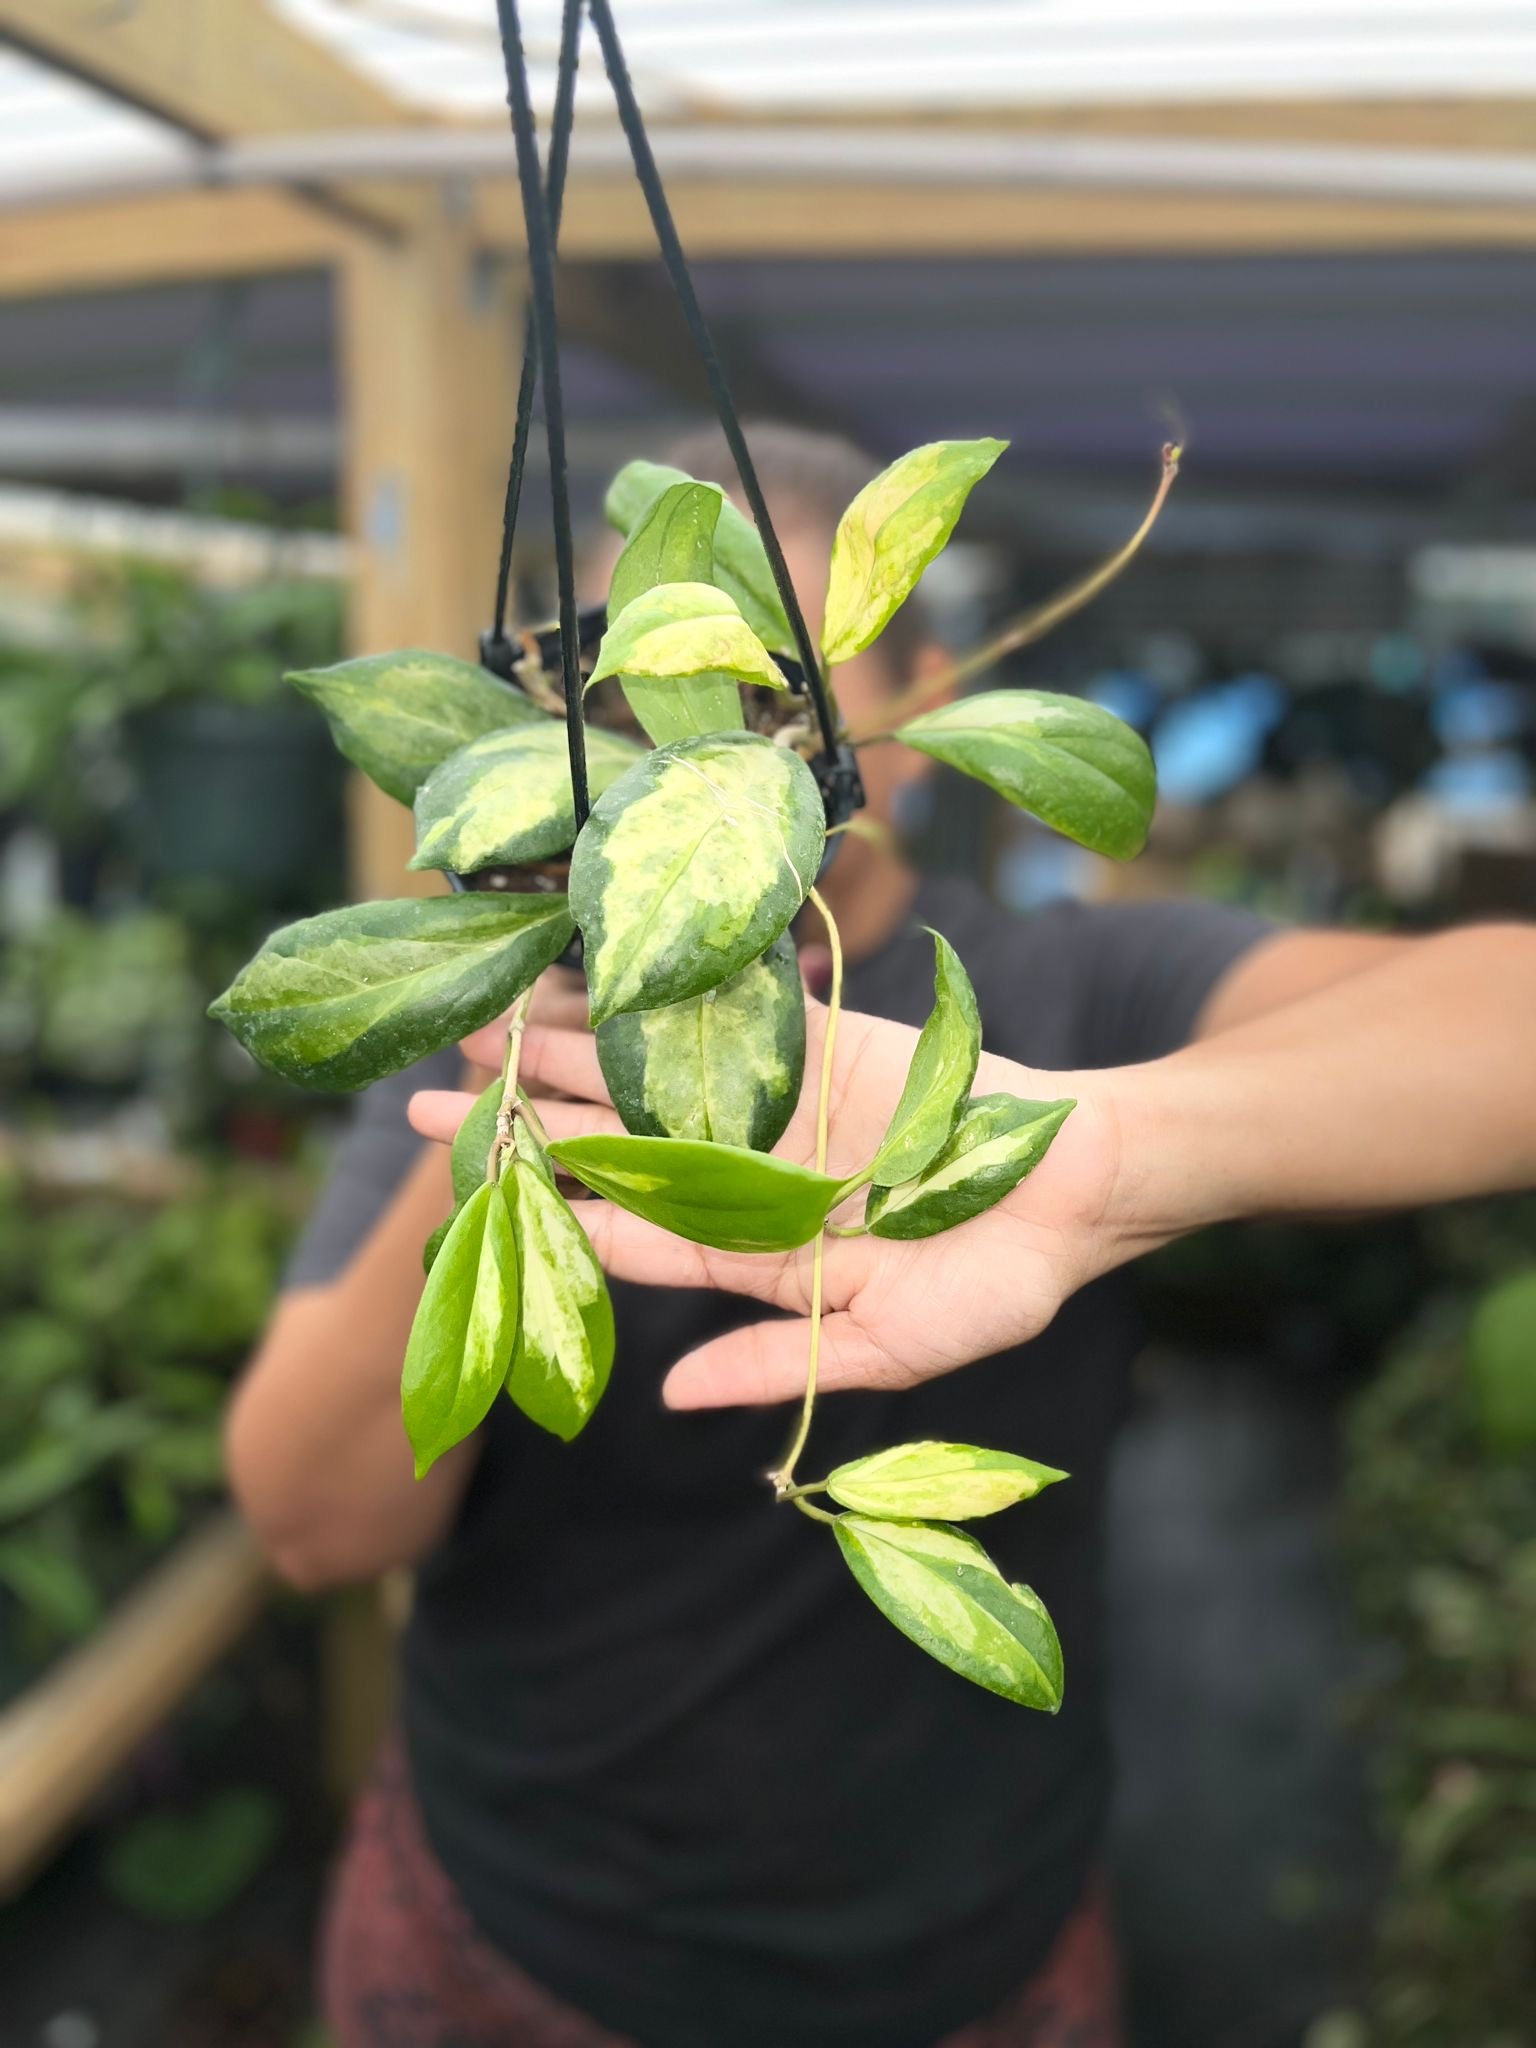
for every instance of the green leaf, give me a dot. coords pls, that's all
(889, 535)
(507, 798)
(565, 1332)
(741, 564)
(1065, 761)
(685, 629)
(690, 866)
(467, 1159)
(954, 1482)
(188, 1867)
(721, 1195)
(396, 716)
(998, 1140)
(338, 1000)
(940, 1588)
(725, 1066)
(940, 1076)
(50, 1585)
(462, 1340)
(673, 542)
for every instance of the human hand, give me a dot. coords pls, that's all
(895, 1313)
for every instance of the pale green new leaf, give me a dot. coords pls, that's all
(338, 1000)
(940, 1588)
(889, 535)
(674, 542)
(741, 564)
(720, 1195)
(396, 716)
(462, 1340)
(998, 1140)
(690, 866)
(725, 1066)
(940, 1076)
(1067, 762)
(507, 798)
(952, 1482)
(684, 629)
(565, 1334)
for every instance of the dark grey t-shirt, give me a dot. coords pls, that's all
(677, 1766)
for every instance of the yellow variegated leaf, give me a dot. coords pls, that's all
(507, 798)
(462, 1339)
(565, 1333)
(998, 1140)
(952, 1482)
(685, 629)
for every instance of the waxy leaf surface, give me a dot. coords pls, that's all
(690, 866)
(1074, 766)
(741, 564)
(462, 1340)
(674, 542)
(998, 1140)
(953, 1482)
(685, 629)
(338, 1000)
(940, 1588)
(940, 1076)
(467, 1159)
(725, 1066)
(889, 535)
(565, 1331)
(720, 1195)
(396, 716)
(507, 798)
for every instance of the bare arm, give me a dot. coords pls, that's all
(316, 1451)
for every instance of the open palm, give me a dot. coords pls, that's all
(896, 1313)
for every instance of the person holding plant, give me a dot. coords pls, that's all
(664, 1778)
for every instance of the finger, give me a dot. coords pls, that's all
(565, 1061)
(437, 1112)
(628, 1248)
(766, 1362)
(564, 1119)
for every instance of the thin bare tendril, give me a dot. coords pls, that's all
(505, 1139)
(783, 1478)
(1033, 626)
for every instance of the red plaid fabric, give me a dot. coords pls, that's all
(403, 1966)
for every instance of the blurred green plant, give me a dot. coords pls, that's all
(120, 1324)
(1439, 1508)
(179, 1866)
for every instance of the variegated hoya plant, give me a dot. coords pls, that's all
(698, 854)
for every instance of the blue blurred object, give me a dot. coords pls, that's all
(1482, 713)
(1480, 782)
(1127, 695)
(1210, 742)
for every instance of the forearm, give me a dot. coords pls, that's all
(1408, 1083)
(317, 1452)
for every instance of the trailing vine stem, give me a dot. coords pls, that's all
(784, 1476)
(1033, 626)
(505, 1139)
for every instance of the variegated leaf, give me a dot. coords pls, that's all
(674, 542)
(940, 1076)
(462, 1339)
(396, 716)
(953, 1482)
(741, 565)
(507, 798)
(338, 1000)
(1074, 766)
(998, 1140)
(940, 1588)
(690, 866)
(889, 535)
(720, 1195)
(725, 1066)
(565, 1335)
(685, 629)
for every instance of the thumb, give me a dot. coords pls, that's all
(767, 1362)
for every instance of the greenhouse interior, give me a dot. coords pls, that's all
(1226, 314)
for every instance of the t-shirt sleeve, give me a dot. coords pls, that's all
(1147, 969)
(374, 1154)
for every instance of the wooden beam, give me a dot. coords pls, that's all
(605, 219)
(430, 343)
(153, 241)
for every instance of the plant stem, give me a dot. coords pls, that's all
(505, 1139)
(783, 1478)
(816, 1514)
(1033, 626)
